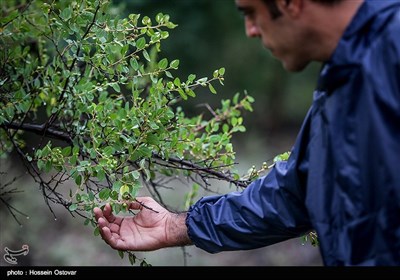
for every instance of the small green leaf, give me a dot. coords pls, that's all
(101, 175)
(163, 63)
(108, 151)
(146, 55)
(177, 82)
(132, 258)
(140, 43)
(212, 89)
(191, 93)
(91, 196)
(182, 94)
(78, 180)
(134, 64)
(48, 166)
(66, 14)
(121, 254)
(174, 64)
(104, 194)
(191, 77)
(66, 151)
(168, 74)
(114, 195)
(116, 87)
(124, 189)
(73, 207)
(96, 231)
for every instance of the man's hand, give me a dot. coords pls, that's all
(152, 228)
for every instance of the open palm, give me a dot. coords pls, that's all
(143, 232)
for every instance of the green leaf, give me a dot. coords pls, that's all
(73, 160)
(191, 93)
(124, 189)
(121, 254)
(152, 139)
(168, 74)
(75, 150)
(163, 63)
(101, 175)
(78, 180)
(104, 194)
(48, 166)
(221, 71)
(114, 195)
(73, 207)
(177, 82)
(134, 64)
(174, 64)
(66, 151)
(135, 174)
(282, 157)
(96, 231)
(191, 78)
(66, 14)
(212, 89)
(146, 55)
(108, 151)
(140, 43)
(132, 258)
(182, 94)
(116, 87)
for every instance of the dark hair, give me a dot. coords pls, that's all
(275, 12)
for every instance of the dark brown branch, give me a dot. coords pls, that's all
(12, 209)
(39, 129)
(193, 166)
(61, 135)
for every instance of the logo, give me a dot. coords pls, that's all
(10, 255)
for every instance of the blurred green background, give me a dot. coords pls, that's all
(210, 35)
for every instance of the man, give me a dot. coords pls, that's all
(343, 176)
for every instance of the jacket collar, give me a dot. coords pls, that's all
(344, 60)
(368, 10)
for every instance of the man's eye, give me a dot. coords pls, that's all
(246, 12)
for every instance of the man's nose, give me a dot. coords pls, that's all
(252, 30)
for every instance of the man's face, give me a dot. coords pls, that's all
(281, 36)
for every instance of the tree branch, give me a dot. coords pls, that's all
(39, 129)
(61, 135)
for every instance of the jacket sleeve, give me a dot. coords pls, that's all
(269, 210)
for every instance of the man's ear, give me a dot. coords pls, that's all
(291, 8)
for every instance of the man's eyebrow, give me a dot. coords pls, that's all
(243, 9)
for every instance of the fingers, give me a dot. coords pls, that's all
(109, 233)
(102, 223)
(108, 237)
(107, 212)
(97, 213)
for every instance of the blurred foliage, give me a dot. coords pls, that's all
(211, 34)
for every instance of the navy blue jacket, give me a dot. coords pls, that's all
(343, 176)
